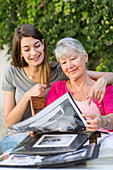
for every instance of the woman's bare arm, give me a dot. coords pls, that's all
(108, 76)
(13, 112)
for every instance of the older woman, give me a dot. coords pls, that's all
(72, 57)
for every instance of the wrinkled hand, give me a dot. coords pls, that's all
(38, 90)
(94, 121)
(98, 90)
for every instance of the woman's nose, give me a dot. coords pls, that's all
(33, 51)
(70, 64)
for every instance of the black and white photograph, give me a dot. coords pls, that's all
(61, 115)
(51, 143)
(55, 140)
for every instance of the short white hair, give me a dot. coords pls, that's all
(67, 46)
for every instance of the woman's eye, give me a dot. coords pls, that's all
(73, 58)
(26, 50)
(37, 45)
(64, 62)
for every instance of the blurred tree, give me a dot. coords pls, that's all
(90, 21)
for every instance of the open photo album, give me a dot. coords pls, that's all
(51, 143)
(60, 137)
(63, 115)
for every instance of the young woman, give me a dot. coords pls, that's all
(28, 76)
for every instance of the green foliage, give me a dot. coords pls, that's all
(90, 21)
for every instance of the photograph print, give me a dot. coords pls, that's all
(55, 140)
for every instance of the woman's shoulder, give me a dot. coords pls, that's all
(59, 83)
(59, 86)
(12, 70)
(109, 89)
(9, 71)
(13, 73)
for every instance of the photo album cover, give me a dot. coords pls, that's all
(68, 159)
(62, 115)
(60, 160)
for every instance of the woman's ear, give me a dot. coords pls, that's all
(43, 43)
(86, 57)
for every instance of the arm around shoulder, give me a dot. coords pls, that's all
(106, 76)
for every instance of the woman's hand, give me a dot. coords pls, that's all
(98, 90)
(31, 133)
(94, 121)
(37, 90)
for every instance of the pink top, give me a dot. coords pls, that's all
(59, 88)
(85, 108)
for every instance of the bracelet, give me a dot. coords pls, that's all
(108, 121)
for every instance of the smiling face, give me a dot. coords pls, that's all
(32, 50)
(74, 66)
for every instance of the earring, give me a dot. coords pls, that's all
(22, 60)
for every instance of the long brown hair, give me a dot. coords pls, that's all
(28, 30)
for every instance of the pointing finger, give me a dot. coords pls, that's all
(101, 98)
